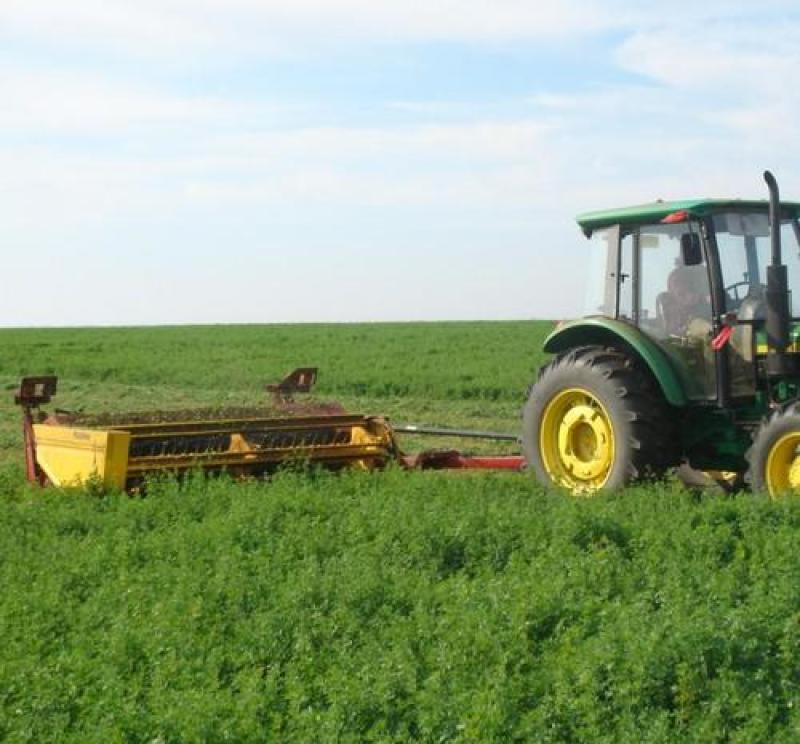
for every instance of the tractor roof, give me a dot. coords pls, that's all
(655, 211)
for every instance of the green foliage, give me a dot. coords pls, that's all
(376, 360)
(396, 606)
(376, 607)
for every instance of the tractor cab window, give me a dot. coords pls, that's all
(656, 276)
(675, 290)
(743, 241)
(601, 297)
(675, 301)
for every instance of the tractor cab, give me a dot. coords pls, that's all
(685, 272)
(688, 352)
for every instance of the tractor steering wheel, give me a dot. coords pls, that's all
(732, 291)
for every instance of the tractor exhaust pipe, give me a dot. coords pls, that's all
(777, 296)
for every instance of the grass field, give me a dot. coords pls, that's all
(377, 607)
(468, 374)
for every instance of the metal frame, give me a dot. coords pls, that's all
(33, 393)
(719, 309)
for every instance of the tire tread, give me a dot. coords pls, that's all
(653, 449)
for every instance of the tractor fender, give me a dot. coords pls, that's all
(607, 332)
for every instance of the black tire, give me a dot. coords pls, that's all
(640, 421)
(776, 430)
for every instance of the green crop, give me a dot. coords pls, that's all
(396, 607)
(455, 361)
(387, 606)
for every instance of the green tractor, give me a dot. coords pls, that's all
(689, 353)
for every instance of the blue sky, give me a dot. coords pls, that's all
(224, 161)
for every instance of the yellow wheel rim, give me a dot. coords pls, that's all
(783, 465)
(576, 441)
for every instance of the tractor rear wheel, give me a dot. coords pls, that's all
(595, 420)
(775, 455)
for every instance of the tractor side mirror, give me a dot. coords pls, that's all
(691, 253)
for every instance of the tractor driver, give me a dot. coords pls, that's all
(686, 304)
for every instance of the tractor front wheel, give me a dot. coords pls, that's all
(595, 421)
(775, 455)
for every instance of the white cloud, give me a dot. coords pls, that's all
(218, 31)
(67, 103)
(736, 78)
(70, 102)
(502, 188)
(109, 24)
(175, 27)
(90, 157)
(729, 58)
(483, 165)
(473, 141)
(715, 84)
(422, 19)
(179, 28)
